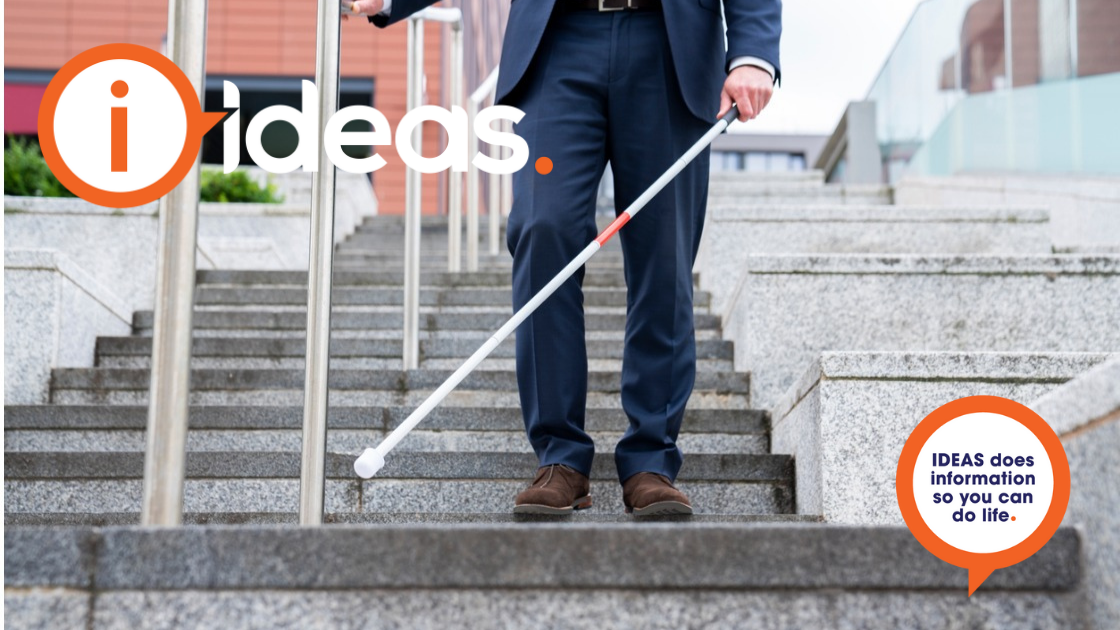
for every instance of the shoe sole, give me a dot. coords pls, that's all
(581, 503)
(661, 508)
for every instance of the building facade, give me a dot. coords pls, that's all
(266, 47)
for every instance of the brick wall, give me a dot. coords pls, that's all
(244, 37)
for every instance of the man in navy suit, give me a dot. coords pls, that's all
(633, 83)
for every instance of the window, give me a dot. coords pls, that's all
(758, 161)
(279, 139)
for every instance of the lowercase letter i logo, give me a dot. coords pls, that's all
(120, 125)
(120, 130)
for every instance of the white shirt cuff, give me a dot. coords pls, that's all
(736, 62)
(388, 8)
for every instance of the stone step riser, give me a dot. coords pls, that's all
(245, 519)
(367, 363)
(391, 279)
(353, 441)
(380, 495)
(831, 199)
(395, 297)
(844, 564)
(476, 337)
(591, 572)
(121, 348)
(367, 380)
(448, 418)
(391, 248)
(291, 397)
(477, 321)
(401, 465)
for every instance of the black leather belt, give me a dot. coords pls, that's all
(609, 5)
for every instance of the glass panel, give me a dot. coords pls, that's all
(1057, 127)
(926, 74)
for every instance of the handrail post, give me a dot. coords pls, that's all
(412, 192)
(312, 483)
(169, 390)
(507, 184)
(494, 207)
(455, 180)
(483, 92)
(472, 190)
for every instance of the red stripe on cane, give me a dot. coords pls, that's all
(615, 226)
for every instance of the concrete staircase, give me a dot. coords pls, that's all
(430, 542)
(471, 457)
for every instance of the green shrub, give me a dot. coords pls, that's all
(236, 187)
(26, 173)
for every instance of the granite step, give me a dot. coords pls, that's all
(800, 195)
(73, 428)
(42, 465)
(700, 399)
(441, 279)
(381, 334)
(371, 260)
(219, 347)
(354, 441)
(103, 519)
(390, 249)
(460, 482)
(354, 296)
(368, 380)
(363, 264)
(775, 575)
(217, 417)
(370, 363)
(732, 177)
(483, 319)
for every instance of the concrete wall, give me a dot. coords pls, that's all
(1086, 414)
(848, 416)
(1084, 211)
(789, 309)
(118, 247)
(731, 235)
(74, 271)
(53, 313)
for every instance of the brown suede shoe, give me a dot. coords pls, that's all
(557, 489)
(651, 494)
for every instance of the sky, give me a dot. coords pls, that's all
(831, 52)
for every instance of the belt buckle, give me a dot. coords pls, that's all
(603, 8)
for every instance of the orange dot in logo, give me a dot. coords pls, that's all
(119, 89)
(544, 166)
(1012, 518)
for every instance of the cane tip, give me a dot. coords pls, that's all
(369, 463)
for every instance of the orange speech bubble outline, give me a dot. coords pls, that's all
(198, 123)
(981, 565)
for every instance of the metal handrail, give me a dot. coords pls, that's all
(454, 179)
(312, 482)
(485, 90)
(412, 193)
(169, 397)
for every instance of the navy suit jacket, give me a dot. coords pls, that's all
(696, 40)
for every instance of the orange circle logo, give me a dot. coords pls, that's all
(120, 182)
(984, 456)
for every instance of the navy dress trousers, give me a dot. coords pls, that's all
(634, 89)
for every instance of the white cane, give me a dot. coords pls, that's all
(373, 459)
